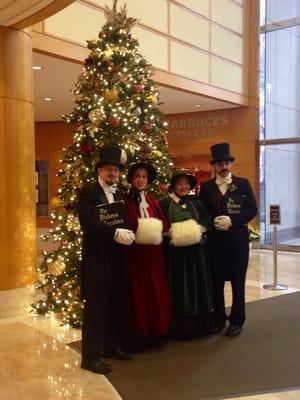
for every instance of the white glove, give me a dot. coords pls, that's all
(124, 236)
(202, 228)
(222, 223)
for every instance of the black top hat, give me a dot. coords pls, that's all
(220, 152)
(148, 167)
(111, 154)
(183, 174)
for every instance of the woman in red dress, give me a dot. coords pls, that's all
(147, 299)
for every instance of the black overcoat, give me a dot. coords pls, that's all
(100, 253)
(229, 250)
(102, 270)
(239, 190)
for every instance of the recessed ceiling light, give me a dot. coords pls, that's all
(48, 99)
(37, 67)
(197, 105)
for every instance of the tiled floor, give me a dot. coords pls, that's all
(36, 364)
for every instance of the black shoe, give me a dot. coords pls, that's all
(233, 330)
(118, 354)
(96, 366)
(218, 327)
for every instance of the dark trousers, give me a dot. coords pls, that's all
(101, 325)
(229, 255)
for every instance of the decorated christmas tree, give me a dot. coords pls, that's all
(116, 102)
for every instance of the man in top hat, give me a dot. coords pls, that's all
(102, 266)
(231, 204)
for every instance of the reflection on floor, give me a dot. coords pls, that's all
(293, 242)
(36, 364)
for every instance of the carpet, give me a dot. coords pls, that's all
(264, 358)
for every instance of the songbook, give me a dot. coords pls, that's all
(235, 204)
(113, 214)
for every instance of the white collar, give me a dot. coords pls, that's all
(107, 188)
(174, 197)
(221, 181)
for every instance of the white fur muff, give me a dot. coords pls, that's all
(185, 233)
(149, 231)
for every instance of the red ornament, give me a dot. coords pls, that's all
(147, 149)
(163, 188)
(114, 69)
(113, 122)
(138, 88)
(86, 148)
(146, 128)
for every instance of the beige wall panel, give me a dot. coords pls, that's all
(189, 27)
(248, 171)
(152, 13)
(226, 44)
(76, 23)
(227, 13)
(226, 75)
(38, 27)
(189, 62)
(201, 7)
(153, 46)
(244, 149)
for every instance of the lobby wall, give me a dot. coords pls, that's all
(50, 139)
(194, 133)
(190, 137)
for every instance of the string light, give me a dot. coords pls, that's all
(114, 63)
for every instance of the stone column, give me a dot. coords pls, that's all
(17, 187)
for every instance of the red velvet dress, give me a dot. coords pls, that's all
(147, 302)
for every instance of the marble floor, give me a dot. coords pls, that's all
(36, 363)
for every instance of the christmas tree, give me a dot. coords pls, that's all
(116, 102)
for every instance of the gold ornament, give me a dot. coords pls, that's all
(156, 153)
(108, 54)
(152, 99)
(92, 129)
(111, 95)
(56, 202)
(132, 147)
(97, 116)
(56, 267)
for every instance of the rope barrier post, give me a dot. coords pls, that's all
(274, 220)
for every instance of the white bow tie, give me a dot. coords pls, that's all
(110, 189)
(224, 181)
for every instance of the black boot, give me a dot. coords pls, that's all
(96, 366)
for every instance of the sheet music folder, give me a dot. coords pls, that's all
(114, 214)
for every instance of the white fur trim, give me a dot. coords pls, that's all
(149, 231)
(185, 233)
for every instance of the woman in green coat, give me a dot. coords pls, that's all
(186, 259)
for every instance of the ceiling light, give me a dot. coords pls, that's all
(37, 67)
(47, 98)
(197, 105)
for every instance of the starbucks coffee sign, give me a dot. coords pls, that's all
(197, 127)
